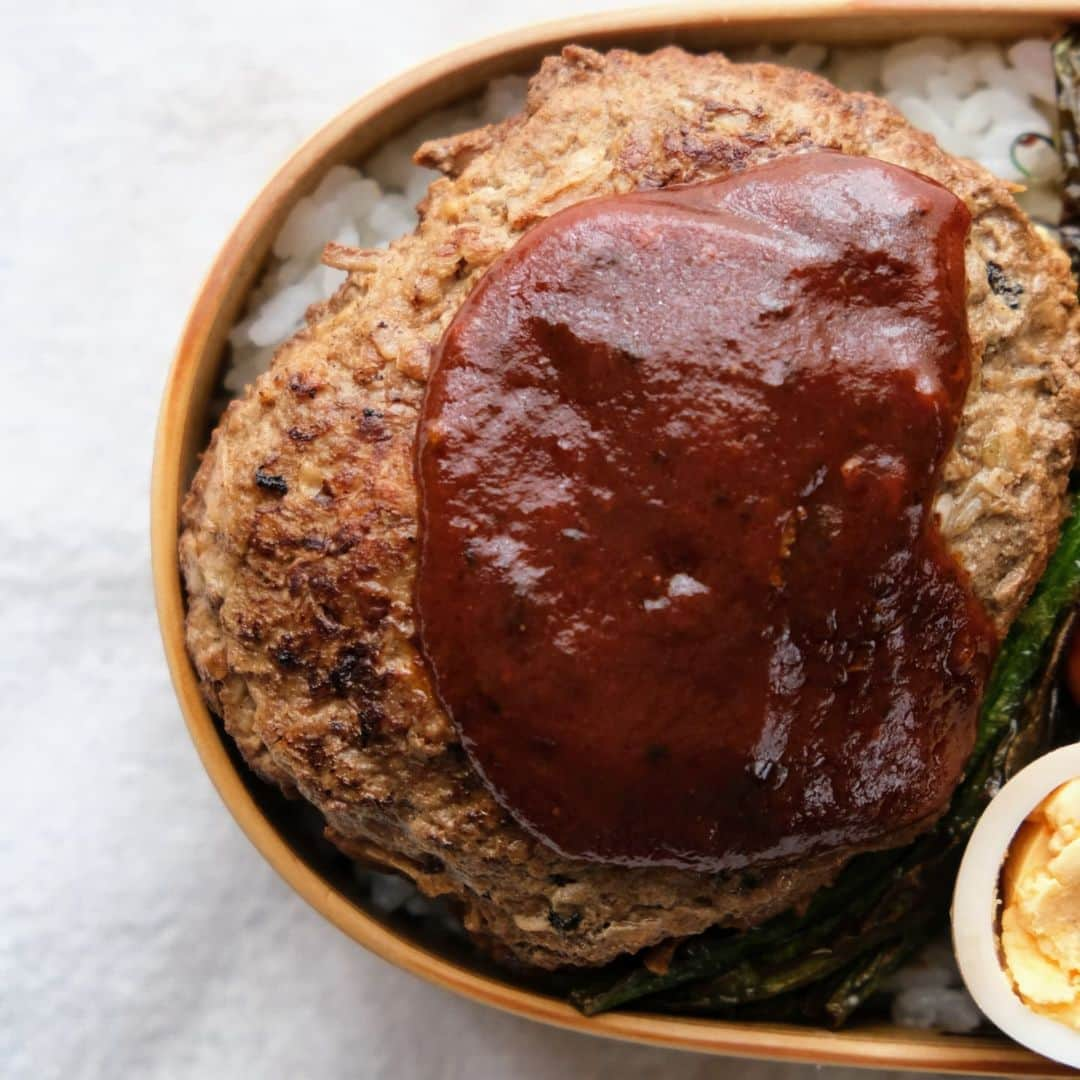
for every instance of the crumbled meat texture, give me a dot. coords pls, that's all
(300, 573)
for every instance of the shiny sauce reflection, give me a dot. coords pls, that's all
(681, 589)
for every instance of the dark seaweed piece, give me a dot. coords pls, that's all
(271, 482)
(1067, 76)
(564, 923)
(1000, 285)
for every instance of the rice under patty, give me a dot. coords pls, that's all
(235, 533)
(980, 100)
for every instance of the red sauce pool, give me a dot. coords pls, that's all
(680, 585)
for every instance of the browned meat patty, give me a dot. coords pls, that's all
(299, 536)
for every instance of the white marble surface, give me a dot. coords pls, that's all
(140, 934)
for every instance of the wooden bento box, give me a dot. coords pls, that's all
(184, 428)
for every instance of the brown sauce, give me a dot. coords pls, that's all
(681, 588)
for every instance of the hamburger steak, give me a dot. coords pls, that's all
(299, 542)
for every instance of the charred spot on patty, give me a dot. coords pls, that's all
(353, 670)
(288, 660)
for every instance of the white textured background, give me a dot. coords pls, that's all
(140, 934)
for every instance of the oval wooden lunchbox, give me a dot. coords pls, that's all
(184, 429)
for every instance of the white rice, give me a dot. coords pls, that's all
(366, 207)
(928, 993)
(975, 99)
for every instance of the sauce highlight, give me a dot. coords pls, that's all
(680, 586)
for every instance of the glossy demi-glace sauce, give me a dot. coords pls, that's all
(681, 588)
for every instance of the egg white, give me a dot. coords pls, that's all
(975, 908)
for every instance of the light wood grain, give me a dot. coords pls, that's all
(183, 429)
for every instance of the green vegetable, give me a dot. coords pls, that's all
(1023, 654)
(863, 978)
(719, 951)
(774, 975)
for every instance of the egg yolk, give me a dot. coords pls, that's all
(1040, 921)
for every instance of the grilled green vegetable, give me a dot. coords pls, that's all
(718, 951)
(759, 980)
(1024, 653)
(864, 977)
